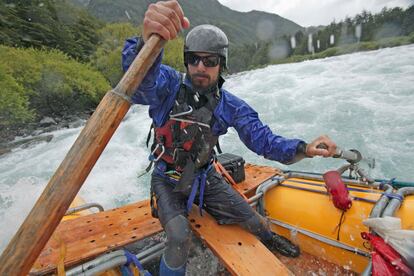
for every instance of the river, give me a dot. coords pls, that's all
(363, 101)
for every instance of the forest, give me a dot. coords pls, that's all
(365, 31)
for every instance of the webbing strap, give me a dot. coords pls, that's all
(199, 181)
(394, 196)
(149, 134)
(132, 259)
(222, 171)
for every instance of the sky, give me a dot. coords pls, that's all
(314, 12)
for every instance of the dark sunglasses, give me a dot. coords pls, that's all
(208, 61)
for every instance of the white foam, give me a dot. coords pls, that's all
(362, 101)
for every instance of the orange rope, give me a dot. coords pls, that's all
(221, 170)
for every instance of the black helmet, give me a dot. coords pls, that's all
(208, 39)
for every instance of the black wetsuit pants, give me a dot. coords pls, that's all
(220, 200)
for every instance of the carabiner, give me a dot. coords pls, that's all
(161, 154)
(182, 113)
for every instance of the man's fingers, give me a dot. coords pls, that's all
(322, 146)
(174, 5)
(169, 18)
(186, 23)
(156, 22)
(322, 152)
(331, 146)
(164, 18)
(155, 27)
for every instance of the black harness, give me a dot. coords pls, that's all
(186, 137)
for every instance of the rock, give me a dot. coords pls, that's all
(47, 121)
(47, 124)
(77, 123)
(26, 142)
(51, 128)
(4, 150)
(37, 132)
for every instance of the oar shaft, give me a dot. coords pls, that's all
(33, 234)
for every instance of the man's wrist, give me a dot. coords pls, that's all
(301, 149)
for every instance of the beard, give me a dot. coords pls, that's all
(199, 86)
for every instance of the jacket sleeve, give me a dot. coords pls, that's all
(157, 83)
(254, 134)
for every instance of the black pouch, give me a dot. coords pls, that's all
(188, 175)
(234, 165)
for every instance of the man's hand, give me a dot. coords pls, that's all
(164, 18)
(321, 146)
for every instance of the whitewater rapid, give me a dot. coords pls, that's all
(363, 101)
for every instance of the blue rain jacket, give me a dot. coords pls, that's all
(161, 85)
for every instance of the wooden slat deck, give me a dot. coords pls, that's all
(92, 235)
(241, 252)
(255, 175)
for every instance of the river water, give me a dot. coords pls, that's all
(363, 101)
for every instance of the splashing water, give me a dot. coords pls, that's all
(363, 101)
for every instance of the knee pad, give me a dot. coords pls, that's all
(178, 244)
(178, 229)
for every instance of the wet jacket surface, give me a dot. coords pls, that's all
(159, 89)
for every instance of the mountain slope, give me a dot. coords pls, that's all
(241, 27)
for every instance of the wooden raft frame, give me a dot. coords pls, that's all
(92, 235)
(241, 252)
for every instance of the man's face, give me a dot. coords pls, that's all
(203, 77)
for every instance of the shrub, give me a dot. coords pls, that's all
(173, 54)
(53, 83)
(329, 52)
(107, 58)
(14, 107)
(411, 37)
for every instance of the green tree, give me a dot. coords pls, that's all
(408, 21)
(48, 23)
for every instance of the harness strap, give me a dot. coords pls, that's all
(198, 184)
(131, 258)
(218, 147)
(193, 194)
(149, 134)
(160, 169)
(394, 196)
(199, 181)
(221, 170)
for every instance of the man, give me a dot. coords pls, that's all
(189, 112)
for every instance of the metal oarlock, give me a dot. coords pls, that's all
(160, 155)
(352, 156)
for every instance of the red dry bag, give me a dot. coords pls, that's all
(337, 189)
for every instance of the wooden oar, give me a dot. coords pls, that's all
(33, 234)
